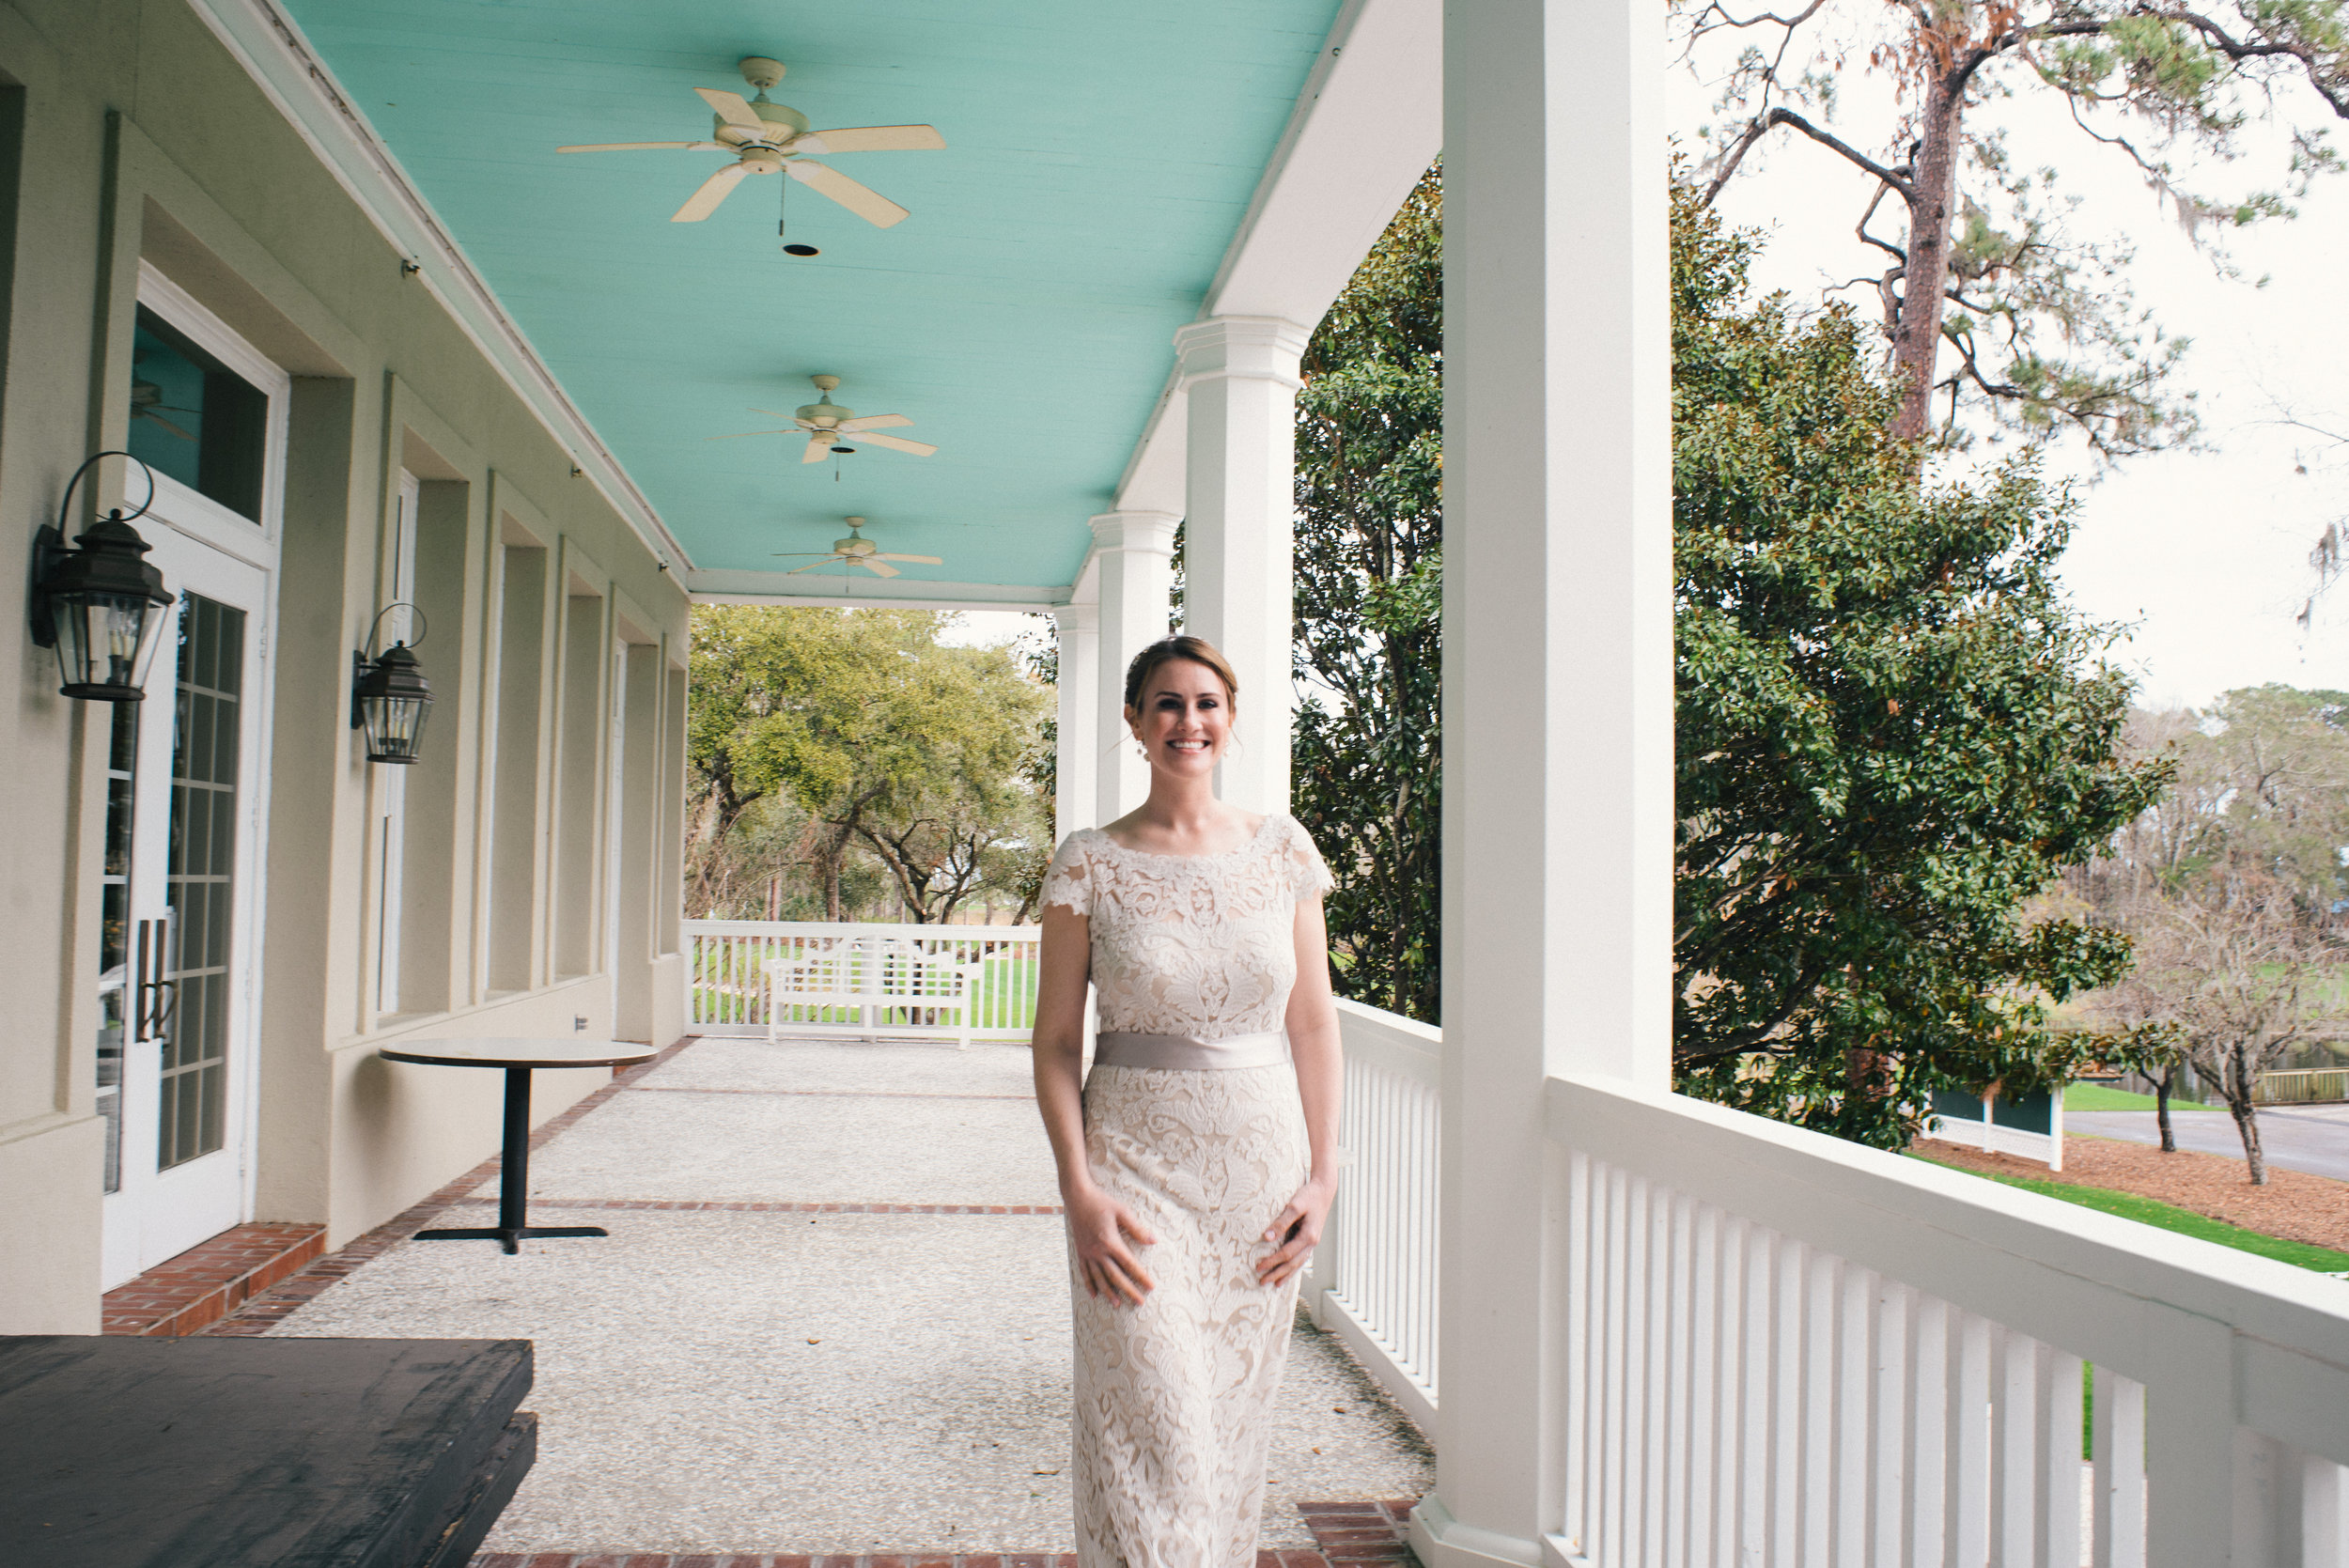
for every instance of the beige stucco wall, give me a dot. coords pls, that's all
(141, 137)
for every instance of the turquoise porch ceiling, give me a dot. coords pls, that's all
(1100, 154)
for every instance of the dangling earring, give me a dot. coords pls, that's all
(1142, 751)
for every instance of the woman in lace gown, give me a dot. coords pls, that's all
(1199, 1159)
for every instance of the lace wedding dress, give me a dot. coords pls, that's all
(1175, 1396)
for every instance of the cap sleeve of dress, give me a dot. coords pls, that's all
(1069, 880)
(1309, 875)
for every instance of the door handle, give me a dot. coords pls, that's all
(154, 998)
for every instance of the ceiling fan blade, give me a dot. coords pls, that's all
(877, 138)
(874, 422)
(151, 414)
(818, 448)
(645, 146)
(732, 108)
(919, 448)
(866, 203)
(871, 563)
(810, 567)
(917, 560)
(703, 202)
(739, 434)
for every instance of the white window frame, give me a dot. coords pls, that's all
(192, 513)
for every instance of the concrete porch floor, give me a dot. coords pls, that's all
(776, 1376)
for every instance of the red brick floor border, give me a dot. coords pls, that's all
(257, 1316)
(691, 1205)
(1341, 1531)
(820, 1094)
(211, 1279)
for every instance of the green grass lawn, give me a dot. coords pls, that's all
(2167, 1217)
(2097, 1096)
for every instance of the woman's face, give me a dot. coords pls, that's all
(1185, 718)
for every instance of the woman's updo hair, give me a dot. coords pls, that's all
(1166, 650)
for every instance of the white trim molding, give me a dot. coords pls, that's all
(774, 587)
(265, 42)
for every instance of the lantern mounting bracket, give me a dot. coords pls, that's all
(49, 546)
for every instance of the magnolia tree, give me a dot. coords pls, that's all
(1892, 729)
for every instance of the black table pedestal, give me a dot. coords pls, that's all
(513, 1181)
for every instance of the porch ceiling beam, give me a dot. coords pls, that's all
(272, 51)
(904, 593)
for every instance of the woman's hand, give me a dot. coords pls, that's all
(1101, 1227)
(1296, 1228)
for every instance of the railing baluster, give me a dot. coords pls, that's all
(1854, 1318)
(1890, 1472)
(2118, 1440)
(2057, 1509)
(2013, 1449)
(1968, 1526)
(1757, 1354)
(1820, 1304)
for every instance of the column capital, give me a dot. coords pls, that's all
(1077, 618)
(1146, 533)
(1242, 347)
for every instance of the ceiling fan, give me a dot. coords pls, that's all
(773, 138)
(147, 402)
(829, 427)
(855, 550)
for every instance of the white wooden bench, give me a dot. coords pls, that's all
(893, 986)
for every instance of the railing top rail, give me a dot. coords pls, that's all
(2121, 1293)
(1392, 1042)
(849, 929)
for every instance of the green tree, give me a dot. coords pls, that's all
(895, 745)
(1367, 642)
(1893, 732)
(1981, 260)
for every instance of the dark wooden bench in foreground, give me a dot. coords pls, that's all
(132, 1453)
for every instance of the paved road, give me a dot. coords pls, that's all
(2311, 1138)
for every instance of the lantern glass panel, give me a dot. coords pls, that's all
(396, 727)
(108, 639)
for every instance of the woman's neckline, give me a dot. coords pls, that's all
(1261, 827)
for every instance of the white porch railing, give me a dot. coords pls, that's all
(727, 990)
(1783, 1349)
(1374, 1278)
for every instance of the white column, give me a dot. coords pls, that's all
(1558, 701)
(1240, 374)
(1134, 554)
(1075, 770)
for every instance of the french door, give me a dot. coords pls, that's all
(179, 1009)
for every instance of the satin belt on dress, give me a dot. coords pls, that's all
(1121, 1049)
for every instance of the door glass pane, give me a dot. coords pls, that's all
(195, 419)
(197, 880)
(114, 932)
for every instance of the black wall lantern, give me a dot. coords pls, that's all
(389, 698)
(97, 602)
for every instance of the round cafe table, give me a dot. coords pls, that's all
(518, 1058)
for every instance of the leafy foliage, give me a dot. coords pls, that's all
(2040, 321)
(1891, 733)
(2231, 886)
(1368, 649)
(898, 748)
